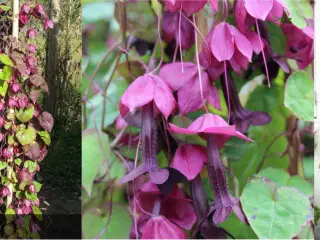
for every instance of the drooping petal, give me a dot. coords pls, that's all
(258, 9)
(242, 43)
(240, 15)
(191, 7)
(172, 74)
(161, 228)
(163, 97)
(179, 211)
(189, 96)
(139, 93)
(276, 13)
(173, 5)
(189, 160)
(222, 42)
(255, 42)
(214, 97)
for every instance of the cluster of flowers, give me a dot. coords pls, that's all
(162, 208)
(24, 130)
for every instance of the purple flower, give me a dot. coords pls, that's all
(15, 87)
(25, 8)
(31, 33)
(175, 209)
(31, 62)
(39, 11)
(23, 101)
(300, 44)
(32, 188)
(12, 102)
(7, 152)
(23, 18)
(48, 24)
(32, 48)
(216, 131)
(5, 191)
(191, 94)
(240, 116)
(170, 27)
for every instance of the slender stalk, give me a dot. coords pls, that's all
(15, 23)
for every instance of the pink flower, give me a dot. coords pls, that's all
(32, 48)
(300, 45)
(23, 18)
(39, 11)
(5, 192)
(145, 89)
(32, 188)
(170, 26)
(48, 24)
(31, 62)
(31, 33)
(120, 123)
(2, 123)
(23, 101)
(187, 84)
(25, 8)
(189, 7)
(15, 87)
(12, 102)
(7, 153)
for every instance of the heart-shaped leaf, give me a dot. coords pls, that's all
(275, 213)
(6, 60)
(299, 95)
(26, 136)
(25, 115)
(45, 136)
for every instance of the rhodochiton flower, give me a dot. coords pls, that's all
(192, 93)
(39, 11)
(240, 116)
(216, 131)
(300, 44)
(152, 94)
(31, 33)
(48, 24)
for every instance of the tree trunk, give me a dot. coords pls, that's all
(52, 57)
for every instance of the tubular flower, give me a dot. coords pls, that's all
(216, 131)
(240, 116)
(152, 94)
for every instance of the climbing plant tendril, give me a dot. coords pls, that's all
(24, 126)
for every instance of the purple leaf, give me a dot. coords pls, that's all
(46, 121)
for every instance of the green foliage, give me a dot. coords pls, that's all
(299, 95)
(275, 213)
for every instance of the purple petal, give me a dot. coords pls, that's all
(242, 43)
(214, 97)
(221, 214)
(139, 93)
(172, 74)
(255, 42)
(214, 4)
(136, 172)
(222, 42)
(276, 13)
(163, 97)
(191, 7)
(240, 14)
(189, 160)
(189, 96)
(258, 9)
(179, 130)
(159, 176)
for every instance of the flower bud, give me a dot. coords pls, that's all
(23, 19)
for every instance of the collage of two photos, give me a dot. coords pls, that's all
(159, 119)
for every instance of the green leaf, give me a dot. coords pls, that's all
(37, 186)
(5, 8)
(45, 136)
(19, 194)
(18, 161)
(277, 38)
(6, 60)
(299, 11)
(282, 178)
(3, 88)
(10, 215)
(6, 73)
(32, 166)
(237, 228)
(299, 95)
(3, 165)
(94, 220)
(95, 148)
(31, 196)
(25, 115)
(26, 136)
(37, 212)
(275, 213)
